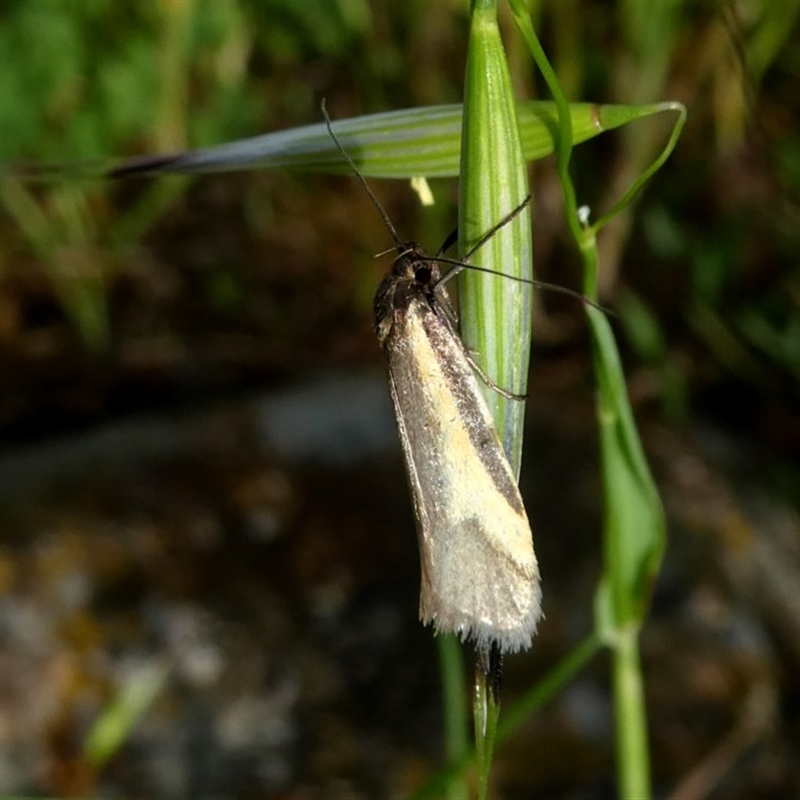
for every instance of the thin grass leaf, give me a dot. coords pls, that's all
(395, 144)
(634, 519)
(113, 727)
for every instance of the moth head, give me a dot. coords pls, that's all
(410, 259)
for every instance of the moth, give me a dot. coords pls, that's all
(480, 578)
(479, 574)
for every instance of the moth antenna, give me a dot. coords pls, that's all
(493, 230)
(362, 180)
(382, 253)
(463, 263)
(459, 266)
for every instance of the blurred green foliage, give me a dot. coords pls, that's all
(92, 78)
(708, 263)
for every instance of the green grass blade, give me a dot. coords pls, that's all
(634, 518)
(395, 144)
(548, 687)
(114, 725)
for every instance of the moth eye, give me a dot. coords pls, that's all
(423, 275)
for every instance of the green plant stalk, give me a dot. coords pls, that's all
(455, 716)
(633, 541)
(634, 526)
(548, 687)
(486, 714)
(633, 755)
(495, 313)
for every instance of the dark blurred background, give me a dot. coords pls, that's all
(201, 491)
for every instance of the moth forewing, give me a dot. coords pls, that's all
(480, 578)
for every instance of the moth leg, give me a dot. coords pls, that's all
(444, 304)
(452, 316)
(491, 384)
